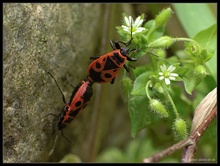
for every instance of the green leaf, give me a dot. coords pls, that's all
(212, 66)
(191, 80)
(140, 84)
(154, 32)
(194, 17)
(140, 114)
(158, 32)
(140, 70)
(206, 85)
(126, 87)
(207, 38)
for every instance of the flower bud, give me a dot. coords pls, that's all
(158, 107)
(205, 56)
(192, 49)
(158, 87)
(200, 70)
(163, 17)
(162, 42)
(160, 53)
(180, 128)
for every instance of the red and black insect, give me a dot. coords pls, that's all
(78, 101)
(105, 68)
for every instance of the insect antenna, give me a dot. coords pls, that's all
(65, 137)
(125, 44)
(50, 122)
(64, 100)
(129, 42)
(54, 143)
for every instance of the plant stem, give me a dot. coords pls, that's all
(172, 103)
(147, 93)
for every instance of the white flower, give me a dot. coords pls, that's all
(134, 24)
(167, 74)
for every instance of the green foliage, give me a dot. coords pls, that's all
(140, 84)
(207, 40)
(140, 114)
(180, 128)
(200, 13)
(135, 151)
(158, 80)
(158, 107)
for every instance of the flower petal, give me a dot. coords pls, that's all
(171, 68)
(126, 28)
(140, 29)
(163, 68)
(161, 77)
(167, 81)
(127, 21)
(160, 73)
(172, 78)
(130, 20)
(174, 74)
(136, 23)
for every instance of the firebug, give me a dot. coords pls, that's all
(105, 68)
(79, 99)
